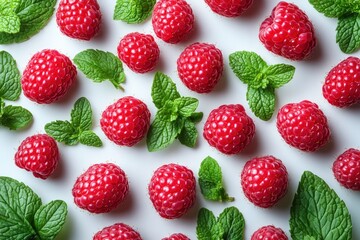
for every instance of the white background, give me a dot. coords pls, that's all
(229, 35)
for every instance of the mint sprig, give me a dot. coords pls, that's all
(133, 11)
(100, 66)
(24, 217)
(210, 181)
(176, 116)
(78, 129)
(317, 212)
(262, 80)
(9, 21)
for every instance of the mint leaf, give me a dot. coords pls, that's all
(317, 212)
(279, 74)
(62, 131)
(331, 8)
(233, 223)
(261, 102)
(163, 89)
(99, 66)
(348, 33)
(2, 106)
(81, 115)
(207, 226)
(188, 134)
(15, 117)
(10, 86)
(9, 22)
(196, 117)
(133, 11)
(33, 15)
(89, 138)
(186, 105)
(50, 218)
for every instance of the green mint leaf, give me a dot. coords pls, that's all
(18, 204)
(9, 5)
(207, 226)
(279, 74)
(210, 181)
(261, 102)
(196, 117)
(81, 115)
(33, 15)
(62, 131)
(317, 212)
(188, 134)
(186, 105)
(169, 112)
(233, 223)
(2, 107)
(89, 138)
(331, 8)
(133, 11)
(15, 117)
(163, 89)
(9, 22)
(348, 33)
(50, 218)
(247, 65)
(99, 66)
(10, 86)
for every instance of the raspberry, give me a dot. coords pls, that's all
(288, 32)
(172, 190)
(264, 181)
(303, 125)
(139, 52)
(126, 121)
(177, 236)
(38, 154)
(346, 169)
(342, 84)
(101, 188)
(229, 129)
(79, 19)
(118, 231)
(48, 76)
(172, 20)
(228, 8)
(269, 233)
(200, 67)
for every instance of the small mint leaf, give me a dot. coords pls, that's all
(133, 11)
(331, 8)
(233, 223)
(279, 74)
(62, 131)
(89, 138)
(261, 102)
(196, 117)
(348, 33)
(81, 115)
(207, 226)
(15, 117)
(188, 134)
(186, 105)
(163, 89)
(169, 112)
(9, 22)
(10, 86)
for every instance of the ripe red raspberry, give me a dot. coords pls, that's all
(229, 129)
(101, 188)
(48, 76)
(228, 8)
(172, 20)
(38, 154)
(346, 169)
(200, 67)
(269, 233)
(118, 231)
(342, 84)
(126, 121)
(303, 125)
(177, 236)
(79, 19)
(172, 190)
(264, 181)
(139, 52)
(288, 32)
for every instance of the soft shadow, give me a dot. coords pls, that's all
(101, 36)
(223, 85)
(125, 207)
(71, 94)
(67, 229)
(254, 11)
(317, 54)
(329, 148)
(60, 170)
(253, 147)
(191, 36)
(193, 211)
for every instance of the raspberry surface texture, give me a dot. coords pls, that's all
(269, 233)
(172, 190)
(176, 236)
(38, 154)
(126, 121)
(303, 125)
(288, 32)
(264, 181)
(229, 129)
(101, 188)
(346, 169)
(48, 76)
(200, 67)
(227, 8)
(118, 231)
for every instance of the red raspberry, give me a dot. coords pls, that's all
(342, 84)
(303, 125)
(177, 236)
(38, 154)
(139, 52)
(229, 129)
(228, 8)
(264, 181)
(48, 76)
(126, 121)
(172, 20)
(346, 169)
(288, 32)
(79, 19)
(200, 67)
(269, 233)
(101, 188)
(172, 190)
(118, 231)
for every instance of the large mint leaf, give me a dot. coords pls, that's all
(279, 74)
(331, 8)
(348, 33)
(163, 89)
(62, 131)
(207, 226)
(261, 101)
(233, 223)
(81, 115)
(317, 212)
(10, 86)
(133, 11)
(15, 117)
